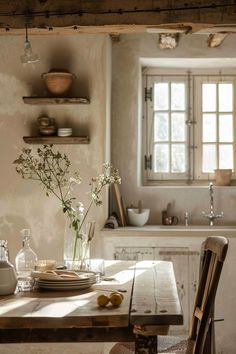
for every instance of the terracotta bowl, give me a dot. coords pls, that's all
(58, 83)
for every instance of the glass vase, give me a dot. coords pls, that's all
(76, 249)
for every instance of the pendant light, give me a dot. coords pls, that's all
(28, 57)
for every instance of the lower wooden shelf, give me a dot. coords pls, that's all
(55, 100)
(56, 139)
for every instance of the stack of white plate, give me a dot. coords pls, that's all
(64, 132)
(84, 281)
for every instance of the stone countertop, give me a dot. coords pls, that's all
(172, 230)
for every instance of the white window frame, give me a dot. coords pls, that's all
(199, 175)
(150, 122)
(193, 123)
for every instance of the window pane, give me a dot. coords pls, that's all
(178, 127)
(208, 97)
(161, 127)
(226, 156)
(209, 127)
(225, 97)
(178, 158)
(161, 96)
(161, 158)
(225, 128)
(178, 96)
(209, 158)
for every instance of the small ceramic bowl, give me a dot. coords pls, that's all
(136, 218)
(64, 132)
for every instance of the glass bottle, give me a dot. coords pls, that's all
(4, 256)
(25, 263)
(8, 279)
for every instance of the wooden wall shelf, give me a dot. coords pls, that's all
(55, 100)
(56, 139)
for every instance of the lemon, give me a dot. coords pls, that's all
(116, 299)
(102, 300)
(117, 292)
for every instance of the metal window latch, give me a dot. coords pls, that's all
(148, 162)
(148, 94)
(190, 122)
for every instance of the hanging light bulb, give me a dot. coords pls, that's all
(28, 57)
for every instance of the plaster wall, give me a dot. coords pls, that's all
(125, 154)
(23, 203)
(126, 117)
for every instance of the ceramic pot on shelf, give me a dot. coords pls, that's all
(58, 81)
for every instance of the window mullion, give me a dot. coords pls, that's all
(169, 128)
(217, 143)
(189, 127)
(234, 133)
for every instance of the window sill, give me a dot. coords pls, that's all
(185, 184)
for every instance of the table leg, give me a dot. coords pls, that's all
(145, 344)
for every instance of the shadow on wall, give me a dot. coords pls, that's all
(63, 56)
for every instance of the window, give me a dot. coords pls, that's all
(189, 126)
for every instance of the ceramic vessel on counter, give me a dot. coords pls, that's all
(223, 177)
(8, 278)
(137, 217)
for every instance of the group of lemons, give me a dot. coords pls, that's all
(115, 298)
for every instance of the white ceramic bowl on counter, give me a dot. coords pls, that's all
(136, 218)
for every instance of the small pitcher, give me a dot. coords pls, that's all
(8, 278)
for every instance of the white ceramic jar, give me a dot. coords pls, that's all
(8, 278)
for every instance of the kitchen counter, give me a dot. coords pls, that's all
(172, 230)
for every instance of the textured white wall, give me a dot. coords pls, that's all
(126, 113)
(23, 204)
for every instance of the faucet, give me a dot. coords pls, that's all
(186, 220)
(211, 216)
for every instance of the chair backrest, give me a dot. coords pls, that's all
(214, 253)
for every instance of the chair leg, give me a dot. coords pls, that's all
(207, 346)
(213, 340)
(145, 344)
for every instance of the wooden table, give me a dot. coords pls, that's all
(150, 302)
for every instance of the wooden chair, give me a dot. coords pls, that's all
(199, 340)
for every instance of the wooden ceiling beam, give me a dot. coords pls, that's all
(117, 16)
